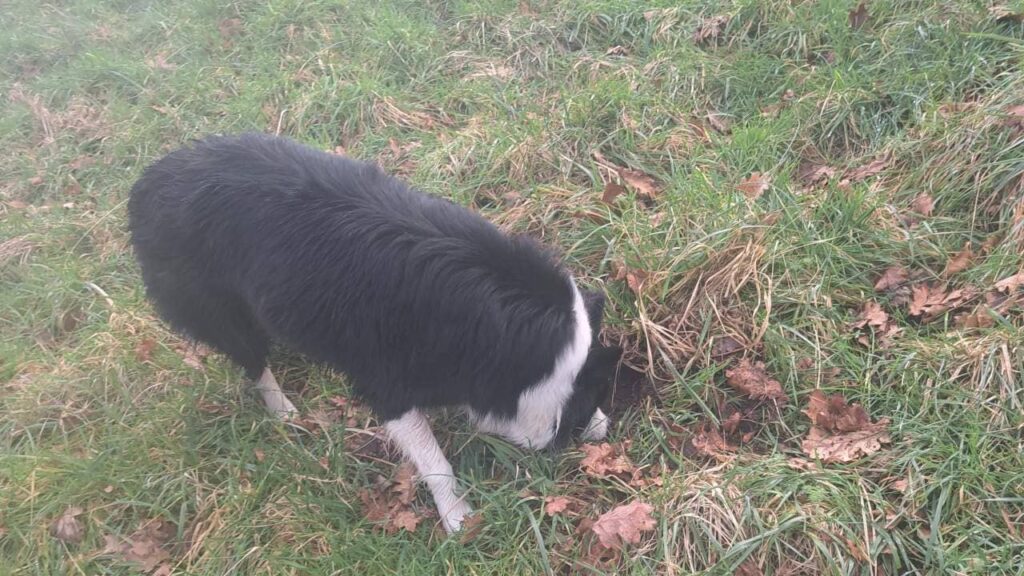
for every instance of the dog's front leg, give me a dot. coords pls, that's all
(412, 433)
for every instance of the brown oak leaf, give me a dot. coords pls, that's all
(390, 502)
(868, 170)
(707, 442)
(643, 183)
(749, 377)
(624, 525)
(960, 262)
(605, 459)
(67, 528)
(841, 432)
(1010, 284)
(555, 505)
(710, 28)
(923, 204)
(611, 192)
(146, 547)
(871, 315)
(930, 301)
(754, 185)
(848, 446)
(811, 174)
(893, 277)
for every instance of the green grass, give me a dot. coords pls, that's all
(506, 102)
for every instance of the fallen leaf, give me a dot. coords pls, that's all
(644, 184)
(159, 62)
(472, 526)
(930, 301)
(803, 465)
(611, 192)
(832, 414)
(980, 318)
(405, 482)
(605, 459)
(81, 162)
(405, 520)
(749, 377)
(754, 185)
(634, 278)
(259, 454)
(923, 204)
(229, 28)
(624, 525)
(146, 547)
(724, 346)
(871, 315)
(707, 442)
(841, 432)
(555, 505)
(144, 349)
(390, 502)
(960, 262)
(36, 180)
(846, 447)
(710, 28)
(810, 173)
(720, 122)
(893, 277)
(1010, 284)
(868, 170)
(17, 204)
(859, 15)
(67, 528)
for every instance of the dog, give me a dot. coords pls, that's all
(251, 239)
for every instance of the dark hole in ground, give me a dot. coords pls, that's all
(631, 389)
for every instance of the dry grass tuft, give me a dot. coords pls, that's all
(16, 250)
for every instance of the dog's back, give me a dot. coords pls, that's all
(248, 239)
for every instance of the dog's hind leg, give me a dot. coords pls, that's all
(412, 433)
(273, 397)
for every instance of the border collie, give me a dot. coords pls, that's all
(252, 239)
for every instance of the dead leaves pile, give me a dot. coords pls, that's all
(841, 432)
(389, 504)
(604, 539)
(928, 301)
(148, 548)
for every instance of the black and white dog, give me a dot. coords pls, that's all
(250, 239)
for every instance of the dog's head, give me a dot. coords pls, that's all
(581, 414)
(566, 402)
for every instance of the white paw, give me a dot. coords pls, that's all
(597, 429)
(453, 517)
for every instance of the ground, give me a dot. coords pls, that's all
(831, 189)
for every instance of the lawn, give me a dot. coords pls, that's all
(778, 197)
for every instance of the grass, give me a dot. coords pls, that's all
(500, 105)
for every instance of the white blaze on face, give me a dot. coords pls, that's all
(541, 405)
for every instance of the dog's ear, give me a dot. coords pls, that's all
(598, 375)
(593, 302)
(602, 362)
